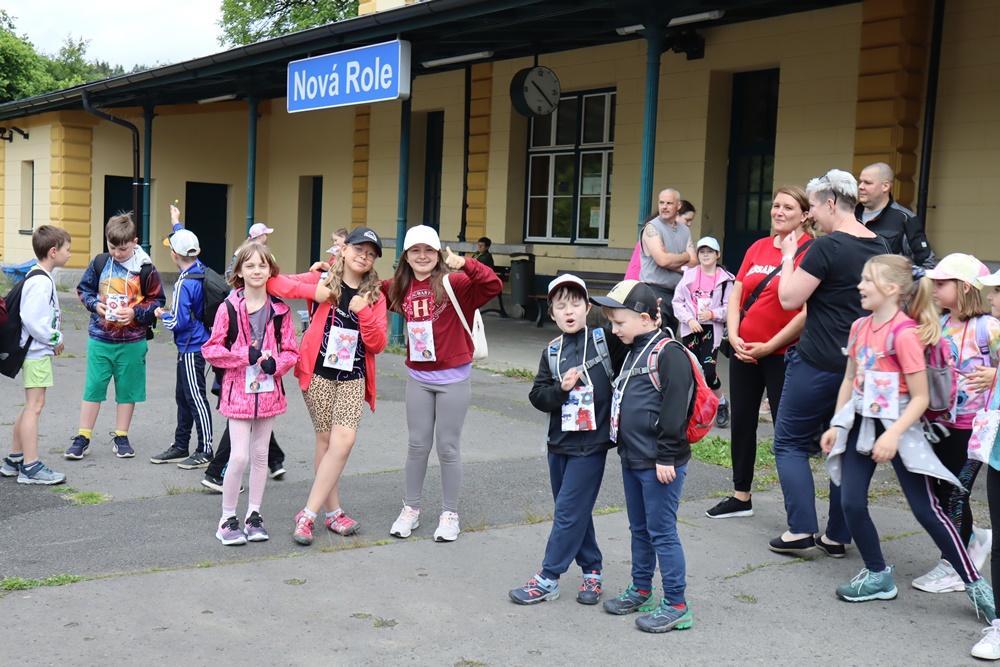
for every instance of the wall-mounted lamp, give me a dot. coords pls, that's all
(9, 136)
(441, 62)
(220, 98)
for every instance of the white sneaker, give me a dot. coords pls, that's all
(447, 530)
(407, 521)
(942, 579)
(980, 546)
(988, 648)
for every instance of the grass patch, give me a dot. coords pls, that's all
(608, 510)
(295, 582)
(746, 597)
(716, 450)
(180, 490)
(62, 288)
(20, 584)
(385, 623)
(747, 570)
(470, 663)
(355, 543)
(205, 564)
(361, 614)
(530, 517)
(85, 497)
(476, 527)
(395, 349)
(889, 538)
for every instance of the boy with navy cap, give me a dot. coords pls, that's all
(650, 408)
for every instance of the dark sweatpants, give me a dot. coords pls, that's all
(576, 481)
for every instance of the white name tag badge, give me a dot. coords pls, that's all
(881, 395)
(421, 341)
(341, 346)
(257, 381)
(704, 303)
(616, 408)
(113, 304)
(578, 410)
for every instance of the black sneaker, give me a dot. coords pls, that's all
(214, 484)
(172, 455)
(277, 469)
(831, 549)
(803, 547)
(629, 601)
(730, 508)
(196, 460)
(722, 416)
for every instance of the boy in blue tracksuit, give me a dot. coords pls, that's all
(573, 385)
(650, 409)
(184, 319)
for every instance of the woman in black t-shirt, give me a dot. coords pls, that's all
(826, 281)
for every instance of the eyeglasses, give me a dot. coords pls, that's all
(360, 249)
(834, 192)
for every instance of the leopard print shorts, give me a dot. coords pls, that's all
(331, 402)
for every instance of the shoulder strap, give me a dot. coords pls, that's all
(233, 331)
(983, 336)
(278, 319)
(553, 350)
(752, 299)
(651, 366)
(890, 341)
(100, 262)
(454, 302)
(854, 338)
(604, 354)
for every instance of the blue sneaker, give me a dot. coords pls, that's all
(868, 585)
(78, 448)
(629, 601)
(122, 447)
(10, 468)
(981, 595)
(666, 618)
(38, 473)
(537, 590)
(590, 591)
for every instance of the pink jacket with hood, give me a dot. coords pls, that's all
(235, 402)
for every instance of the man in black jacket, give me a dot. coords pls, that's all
(878, 211)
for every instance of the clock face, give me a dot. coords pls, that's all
(535, 91)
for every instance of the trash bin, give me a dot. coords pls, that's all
(522, 277)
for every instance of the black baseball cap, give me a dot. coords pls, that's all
(630, 294)
(364, 235)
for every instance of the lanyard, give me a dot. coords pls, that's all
(641, 355)
(586, 339)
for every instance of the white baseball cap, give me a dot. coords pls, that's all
(259, 229)
(991, 280)
(708, 242)
(568, 279)
(184, 242)
(421, 234)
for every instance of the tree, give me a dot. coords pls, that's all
(248, 21)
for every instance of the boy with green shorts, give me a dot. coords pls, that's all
(122, 290)
(40, 319)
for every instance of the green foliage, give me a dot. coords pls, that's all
(248, 21)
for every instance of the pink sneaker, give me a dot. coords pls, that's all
(342, 524)
(303, 529)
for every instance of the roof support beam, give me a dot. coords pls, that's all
(655, 40)
(396, 337)
(251, 161)
(147, 161)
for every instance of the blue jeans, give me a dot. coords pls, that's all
(808, 400)
(576, 480)
(652, 519)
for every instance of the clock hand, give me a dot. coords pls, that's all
(542, 94)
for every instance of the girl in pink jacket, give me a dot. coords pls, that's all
(336, 369)
(252, 393)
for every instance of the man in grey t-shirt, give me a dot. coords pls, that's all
(666, 250)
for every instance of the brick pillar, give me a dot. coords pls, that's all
(70, 185)
(891, 73)
(479, 149)
(359, 180)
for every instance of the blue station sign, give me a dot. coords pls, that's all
(376, 73)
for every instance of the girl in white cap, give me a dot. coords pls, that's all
(973, 337)
(439, 358)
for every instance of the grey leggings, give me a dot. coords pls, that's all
(439, 408)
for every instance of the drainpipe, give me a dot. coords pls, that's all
(147, 138)
(930, 108)
(654, 49)
(91, 109)
(396, 337)
(465, 153)
(251, 161)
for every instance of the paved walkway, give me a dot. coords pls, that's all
(162, 590)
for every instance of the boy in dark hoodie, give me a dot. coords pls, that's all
(122, 290)
(573, 385)
(650, 408)
(184, 319)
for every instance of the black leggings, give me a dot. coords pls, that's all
(953, 451)
(747, 383)
(993, 496)
(702, 346)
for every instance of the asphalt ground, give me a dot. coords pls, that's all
(159, 588)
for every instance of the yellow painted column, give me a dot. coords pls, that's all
(359, 172)
(70, 183)
(3, 210)
(892, 69)
(479, 149)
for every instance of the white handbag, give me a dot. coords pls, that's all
(985, 425)
(477, 332)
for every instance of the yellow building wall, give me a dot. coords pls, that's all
(37, 148)
(965, 164)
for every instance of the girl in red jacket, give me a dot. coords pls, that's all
(439, 358)
(252, 394)
(336, 368)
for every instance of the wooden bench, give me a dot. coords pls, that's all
(597, 281)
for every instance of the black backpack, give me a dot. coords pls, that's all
(11, 353)
(232, 332)
(215, 289)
